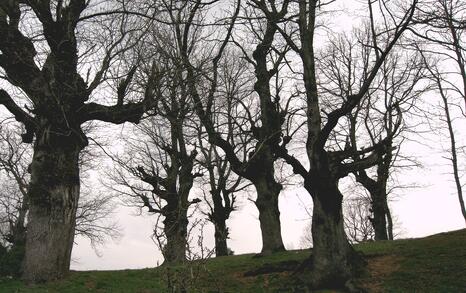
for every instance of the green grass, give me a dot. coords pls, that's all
(432, 264)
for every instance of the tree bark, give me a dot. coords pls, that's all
(333, 261)
(175, 228)
(389, 222)
(379, 222)
(53, 201)
(218, 216)
(268, 191)
(221, 236)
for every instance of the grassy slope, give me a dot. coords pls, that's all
(433, 264)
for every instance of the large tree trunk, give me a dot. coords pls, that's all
(221, 236)
(268, 191)
(53, 200)
(334, 262)
(176, 229)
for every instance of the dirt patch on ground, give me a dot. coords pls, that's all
(284, 266)
(379, 268)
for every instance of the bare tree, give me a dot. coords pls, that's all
(222, 197)
(162, 158)
(441, 34)
(229, 117)
(440, 82)
(379, 115)
(13, 203)
(59, 101)
(258, 167)
(165, 174)
(358, 224)
(334, 262)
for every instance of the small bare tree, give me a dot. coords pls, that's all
(228, 113)
(440, 30)
(221, 199)
(358, 224)
(158, 169)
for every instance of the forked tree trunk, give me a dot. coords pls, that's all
(221, 236)
(334, 262)
(379, 206)
(218, 216)
(268, 191)
(53, 200)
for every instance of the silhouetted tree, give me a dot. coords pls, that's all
(229, 117)
(334, 261)
(45, 47)
(163, 155)
(379, 116)
(222, 197)
(258, 167)
(440, 30)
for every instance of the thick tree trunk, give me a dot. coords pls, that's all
(176, 229)
(268, 191)
(53, 200)
(221, 236)
(334, 262)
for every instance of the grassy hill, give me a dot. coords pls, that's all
(433, 264)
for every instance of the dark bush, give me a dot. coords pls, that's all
(10, 260)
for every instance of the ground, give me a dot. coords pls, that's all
(433, 264)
